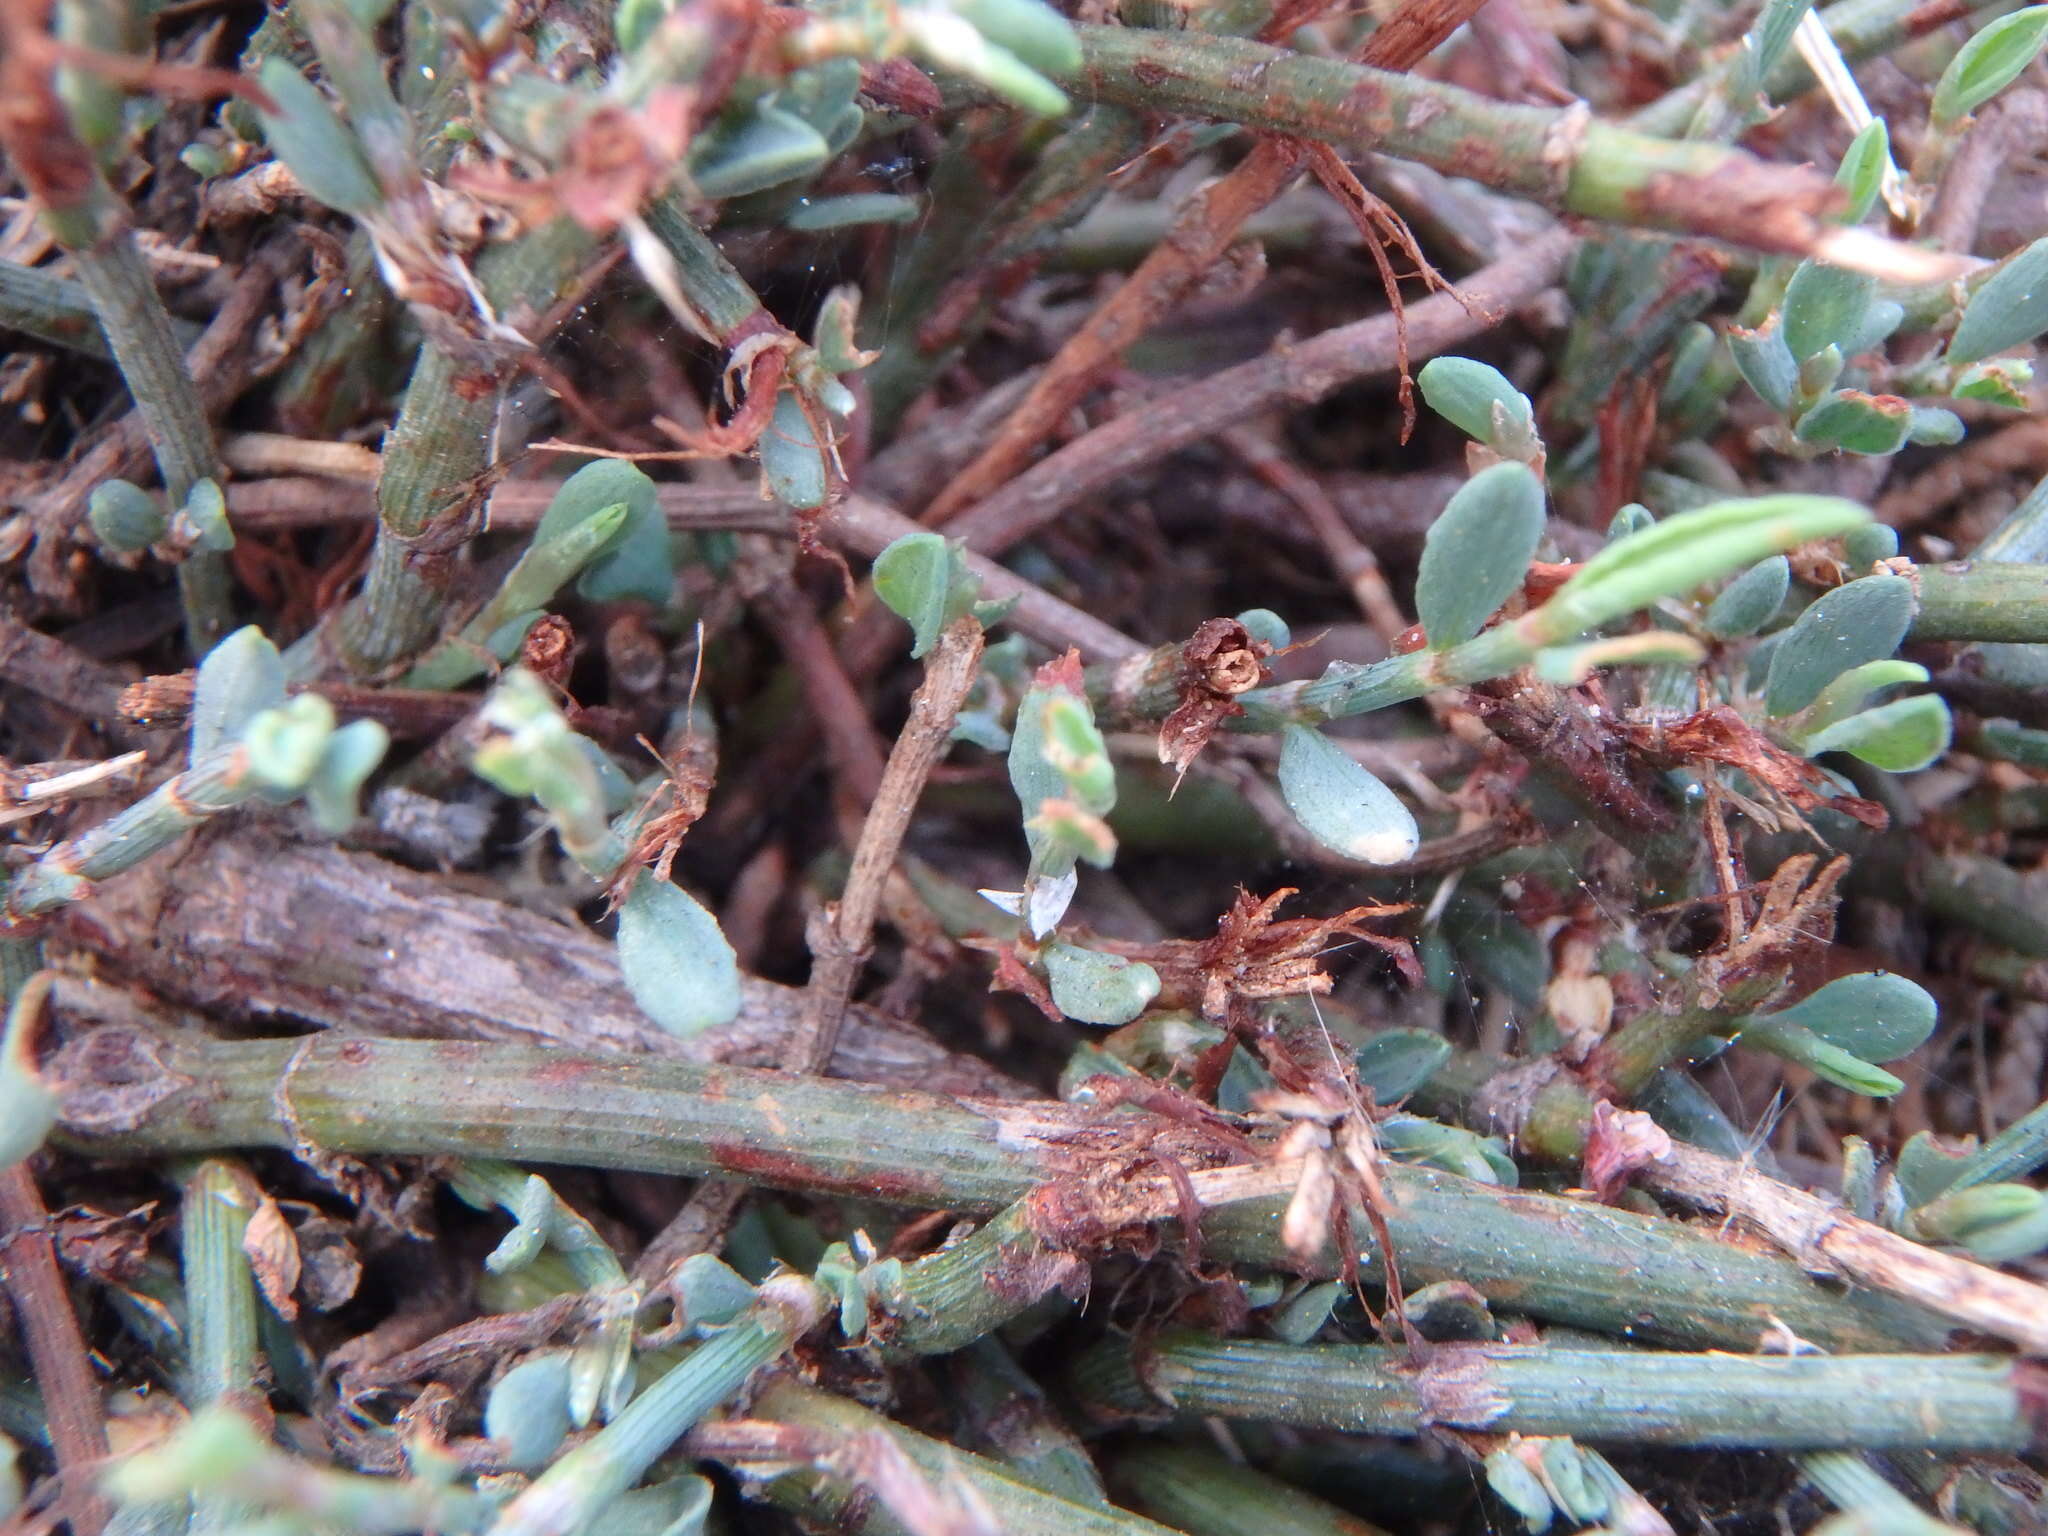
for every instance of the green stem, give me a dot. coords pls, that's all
(1936, 1402)
(1195, 1490)
(138, 331)
(2013, 1153)
(65, 874)
(1568, 1261)
(220, 1309)
(577, 1488)
(716, 291)
(1565, 160)
(1853, 1485)
(1986, 600)
(50, 309)
(485, 1181)
(430, 486)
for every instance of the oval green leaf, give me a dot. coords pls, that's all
(675, 959)
(1093, 987)
(2010, 309)
(1748, 602)
(1862, 621)
(1477, 552)
(307, 135)
(1339, 804)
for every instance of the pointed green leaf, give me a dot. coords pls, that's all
(1903, 736)
(1989, 62)
(1855, 688)
(2010, 309)
(854, 208)
(1862, 621)
(1092, 987)
(952, 42)
(1340, 805)
(1861, 173)
(755, 150)
(240, 678)
(676, 962)
(319, 148)
(1824, 306)
(1477, 552)
(1683, 552)
(636, 560)
(1843, 1068)
(1748, 602)
(1396, 1062)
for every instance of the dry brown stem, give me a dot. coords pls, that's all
(1828, 1239)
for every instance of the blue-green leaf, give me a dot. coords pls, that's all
(676, 962)
(1903, 736)
(307, 135)
(1093, 987)
(1851, 421)
(1765, 362)
(1988, 63)
(1861, 173)
(1396, 1062)
(1466, 393)
(1748, 602)
(755, 150)
(1825, 306)
(240, 678)
(812, 214)
(1477, 552)
(1339, 804)
(125, 517)
(527, 1412)
(1879, 1015)
(1862, 621)
(2011, 308)
(792, 463)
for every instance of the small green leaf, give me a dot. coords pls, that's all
(709, 1293)
(1988, 63)
(1477, 552)
(1516, 1485)
(1340, 805)
(1412, 1139)
(1861, 173)
(1267, 627)
(925, 583)
(2010, 309)
(1566, 665)
(1633, 518)
(1074, 746)
(1465, 392)
(1818, 373)
(1869, 544)
(676, 962)
(285, 744)
(752, 151)
(1903, 736)
(792, 463)
(1092, 987)
(527, 1412)
(1855, 688)
(125, 518)
(1934, 427)
(1862, 621)
(1879, 1015)
(1925, 1168)
(1998, 381)
(1850, 421)
(203, 520)
(952, 42)
(1685, 551)
(240, 678)
(2013, 742)
(1037, 34)
(350, 757)
(1396, 1062)
(1824, 306)
(812, 214)
(1748, 602)
(308, 137)
(1765, 362)
(1843, 1068)
(1303, 1318)
(1963, 1214)
(635, 561)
